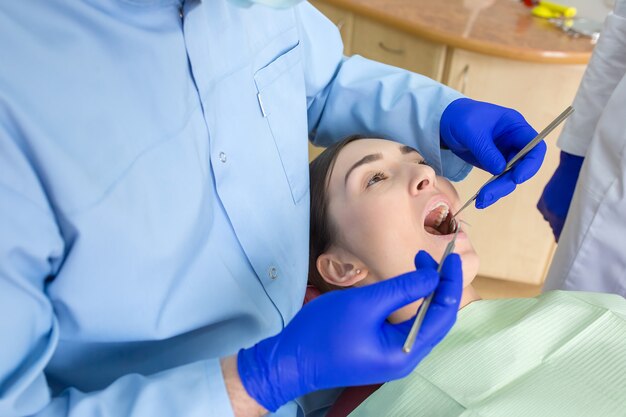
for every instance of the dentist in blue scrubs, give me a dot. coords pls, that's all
(154, 206)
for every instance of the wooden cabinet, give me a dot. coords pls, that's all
(384, 44)
(511, 237)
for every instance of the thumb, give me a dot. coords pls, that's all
(424, 260)
(390, 295)
(445, 304)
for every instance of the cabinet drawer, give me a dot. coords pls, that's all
(513, 240)
(382, 43)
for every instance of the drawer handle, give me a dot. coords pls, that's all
(464, 78)
(390, 50)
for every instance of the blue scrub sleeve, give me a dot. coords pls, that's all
(31, 248)
(354, 95)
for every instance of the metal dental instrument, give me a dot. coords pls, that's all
(419, 318)
(545, 132)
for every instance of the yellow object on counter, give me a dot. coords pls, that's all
(565, 11)
(549, 10)
(544, 12)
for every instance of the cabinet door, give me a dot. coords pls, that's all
(343, 19)
(385, 44)
(513, 240)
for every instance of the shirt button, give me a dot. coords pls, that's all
(272, 272)
(222, 157)
(180, 13)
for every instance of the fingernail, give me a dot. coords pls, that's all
(486, 200)
(520, 178)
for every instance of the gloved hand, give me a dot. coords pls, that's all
(487, 136)
(343, 338)
(557, 196)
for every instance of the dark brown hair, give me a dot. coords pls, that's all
(322, 232)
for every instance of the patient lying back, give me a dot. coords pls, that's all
(374, 204)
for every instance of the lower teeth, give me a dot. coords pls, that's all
(453, 226)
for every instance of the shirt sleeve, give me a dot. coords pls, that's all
(31, 250)
(606, 69)
(354, 95)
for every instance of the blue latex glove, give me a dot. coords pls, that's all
(343, 338)
(487, 136)
(557, 196)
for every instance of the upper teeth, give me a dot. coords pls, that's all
(442, 214)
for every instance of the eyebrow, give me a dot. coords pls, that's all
(404, 149)
(365, 160)
(407, 149)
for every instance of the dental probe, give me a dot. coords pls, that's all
(419, 318)
(545, 132)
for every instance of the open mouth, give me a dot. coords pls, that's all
(439, 220)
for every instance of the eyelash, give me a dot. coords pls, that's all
(380, 175)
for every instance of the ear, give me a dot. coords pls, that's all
(340, 269)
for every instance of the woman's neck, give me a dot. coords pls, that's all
(469, 295)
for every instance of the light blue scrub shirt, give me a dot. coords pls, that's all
(154, 190)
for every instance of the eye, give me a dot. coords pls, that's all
(422, 162)
(379, 176)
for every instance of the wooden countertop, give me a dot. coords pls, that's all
(503, 28)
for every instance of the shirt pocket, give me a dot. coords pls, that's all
(282, 99)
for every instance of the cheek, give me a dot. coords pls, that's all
(446, 186)
(369, 234)
(383, 238)
(390, 249)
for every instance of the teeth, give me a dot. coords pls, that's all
(440, 204)
(441, 217)
(453, 226)
(443, 213)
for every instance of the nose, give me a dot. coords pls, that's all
(423, 179)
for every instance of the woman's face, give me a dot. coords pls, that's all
(386, 205)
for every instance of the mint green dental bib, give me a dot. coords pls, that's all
(559, 354)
